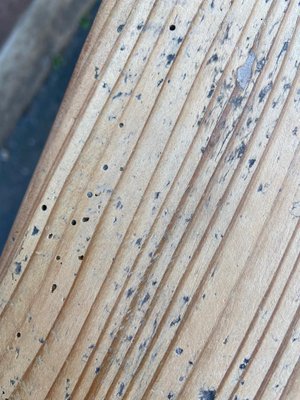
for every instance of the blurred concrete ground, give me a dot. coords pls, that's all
(10, 12)
(20, 152)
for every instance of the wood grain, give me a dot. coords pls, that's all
(156, 253)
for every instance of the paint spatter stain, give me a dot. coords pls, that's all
(244, 72)
(264, 92)
(120, 28)
(207, 394)
(170, 58)
(295, 209)
(175, 321)
(35, 231)
(251, 162)
(18, 268)
(121, 389)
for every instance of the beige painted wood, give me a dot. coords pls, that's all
(156, 253)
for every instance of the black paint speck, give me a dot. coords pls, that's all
(89, 194)
(119, 94)
(170, 396)
(138, 241)
(129, 292)
(251, 162)
(121, 389)
(53, 288)
(210, 93)
(175, 321)
(120, 28)
(179, 351)
(172, 27)
(97, 370)
(207, 394)
(44, 207)
(170, 58)
(213, 58)
(160, 82)
(35, 231)
(18, 268)
(241, 150)
(186, 299)
(105, 167)
(85, 219)
(260, 187)
(146, 298)
(157, 195)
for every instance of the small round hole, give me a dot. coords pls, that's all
(57, 258)
(172, 27)
(121, 124)
(19, 334)
(50, 236)
(89, 194)
(44, 207)
(53, 288)
(85, 219)
(73, 222)
(105, 167)
(80, 258)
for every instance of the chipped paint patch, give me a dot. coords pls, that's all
(244, 72)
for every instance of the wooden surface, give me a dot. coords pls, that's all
(156, 253)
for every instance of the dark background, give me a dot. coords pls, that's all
(20, 152)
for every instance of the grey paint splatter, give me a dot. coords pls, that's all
(18, 268)
(244, 72)
(295, 209)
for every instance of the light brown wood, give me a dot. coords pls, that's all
(156, 254)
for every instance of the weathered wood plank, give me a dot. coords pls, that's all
(156, 255)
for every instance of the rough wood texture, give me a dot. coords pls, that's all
(156, 254)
